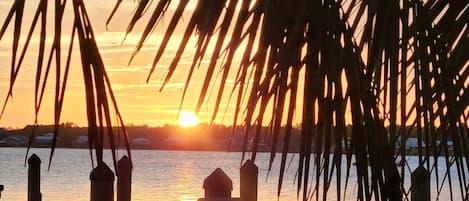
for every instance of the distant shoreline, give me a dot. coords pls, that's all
(412, 152)
(143, 148)
(169, 137)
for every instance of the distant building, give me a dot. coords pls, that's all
(81, 140)
(413, 143)
(14, 141)
(140, 141)
(174, 141)
(44, 139)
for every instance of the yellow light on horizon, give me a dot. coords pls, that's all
(188, 119)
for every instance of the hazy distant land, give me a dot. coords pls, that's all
(167, 137)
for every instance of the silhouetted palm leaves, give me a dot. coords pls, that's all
(100, 101)
(371, 58)
(389, 68)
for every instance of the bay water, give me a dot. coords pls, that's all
(162, 175)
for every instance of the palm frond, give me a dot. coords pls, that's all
(392, 69)
(99, 97)
(97, 87)
(408, 48)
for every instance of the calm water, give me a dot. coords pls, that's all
(157, 175)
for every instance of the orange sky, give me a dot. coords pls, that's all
(139, 102)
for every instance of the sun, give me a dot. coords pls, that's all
(188, 119)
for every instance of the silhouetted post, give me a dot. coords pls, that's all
(102, 183)
(248, 179)
(218, 184)
(34, 178)
(124, 179)
(420, 186)
(1, 189)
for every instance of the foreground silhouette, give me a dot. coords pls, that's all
(370, 64)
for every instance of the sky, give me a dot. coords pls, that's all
(139, 102)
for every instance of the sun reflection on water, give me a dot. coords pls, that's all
(187, 199)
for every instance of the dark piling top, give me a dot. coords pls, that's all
(218, 184)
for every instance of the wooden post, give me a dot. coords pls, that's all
(218, 185)
(248, 179)
(34, 178)
(124, 179)
(102, 183)
(420, 186)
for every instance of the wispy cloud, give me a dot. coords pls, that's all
(126, 69)
(169, 86)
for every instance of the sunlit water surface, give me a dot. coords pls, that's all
(157, 175)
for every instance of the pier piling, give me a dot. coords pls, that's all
(34, 178)
(124, 179)
(420, 186)
(248, 181)
(102, 183)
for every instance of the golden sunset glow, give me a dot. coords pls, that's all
(188, 119)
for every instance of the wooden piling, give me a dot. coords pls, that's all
(248, 181)
(124, 179)
(420, 187)
(1, 190)
(34, 178)
(102, 183)
(218, 185)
